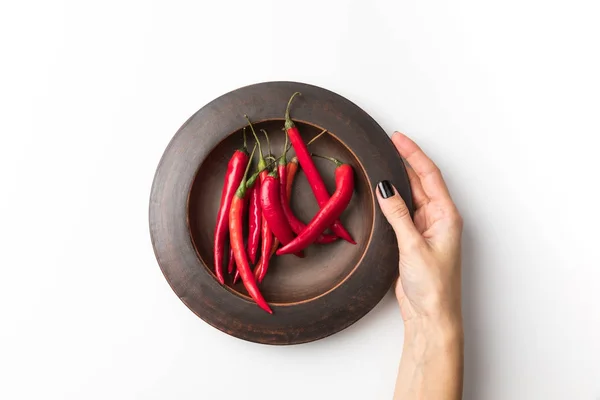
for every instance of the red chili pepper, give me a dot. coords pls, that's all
(281, 169)
(237, 243)
(236, 277)
(261, 271)
(263, 265)
(297, 225)
(233, 177)
(292, 168)
(314, 178)
(255, 213)
(265, 230)
(267, 242)
(254, 222)
(270, 202)
(231, 265)
(344, 182)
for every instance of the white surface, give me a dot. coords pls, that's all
(503, 95)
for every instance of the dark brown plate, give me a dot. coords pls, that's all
(334, 285)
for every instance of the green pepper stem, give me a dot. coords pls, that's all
(288, 121)
(333, 160)
(249, 162)
(268, 141)
(241, 190)
(260, 153)
(283, 159)
(252, 179)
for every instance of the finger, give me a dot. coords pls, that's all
(397, 214)
(428, 173)
(418, 194)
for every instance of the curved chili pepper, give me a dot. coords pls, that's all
(269, 243)
(281, 169)
(247, 200)
(267, 237)
(233, 177)
(270, 202)
(312, 174)
(260, 273)
(236, 276)
(292, 167)
(344, 182)
(244, 212)
(297, 225)
(266, 243)
(261, 270)
(254, 211)
(237, 243)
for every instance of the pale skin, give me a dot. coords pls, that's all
(429, 287)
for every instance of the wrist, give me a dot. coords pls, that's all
(432, 359)
(422, 334)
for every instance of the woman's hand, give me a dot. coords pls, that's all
(429, 287)
(429, 284)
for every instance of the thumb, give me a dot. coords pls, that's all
(397, 214)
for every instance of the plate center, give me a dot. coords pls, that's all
(289, 279)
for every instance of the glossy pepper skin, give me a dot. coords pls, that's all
(249, 185)
(344, 180)
(236, 236)
(255, 213)
(231, 264)
(312, 174)
(235, 172)
(244, 212)
(282, 173)
(261, 270)
(241, 260)
(270, 202)
(267, 242)
(254, 221)
(297, 225)
(291, 169)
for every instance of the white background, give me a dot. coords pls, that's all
(503, 95)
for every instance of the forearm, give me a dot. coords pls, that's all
(432, 361)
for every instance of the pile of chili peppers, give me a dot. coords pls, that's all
(262, 201)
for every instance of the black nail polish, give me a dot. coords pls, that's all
(385, 189)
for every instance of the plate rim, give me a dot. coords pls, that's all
(179, 267)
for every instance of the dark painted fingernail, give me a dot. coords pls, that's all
(385, 189)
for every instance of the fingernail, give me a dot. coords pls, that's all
(385, 189)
